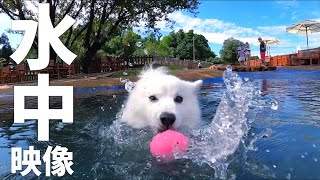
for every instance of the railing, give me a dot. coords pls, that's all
(22, 72)
(111, 64)
(309, 55)
(303, 57)
(187, 64)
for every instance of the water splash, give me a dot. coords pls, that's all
(128, 85)
(214, 143)
(222, 137)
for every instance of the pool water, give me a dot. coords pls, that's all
(280, 144)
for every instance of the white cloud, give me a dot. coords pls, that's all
(287, 4)
(216, 31)
(272, 30)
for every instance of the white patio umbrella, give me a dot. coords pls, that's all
(305, 27)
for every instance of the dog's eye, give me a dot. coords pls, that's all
(153, 99)
(178, 99)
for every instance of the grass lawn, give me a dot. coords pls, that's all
(135, 72)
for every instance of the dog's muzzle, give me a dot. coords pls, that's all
(167, 119)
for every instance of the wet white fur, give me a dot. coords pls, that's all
(140, 112)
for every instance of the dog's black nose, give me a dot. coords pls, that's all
(167, 119)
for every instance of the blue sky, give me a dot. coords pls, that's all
(243, 20)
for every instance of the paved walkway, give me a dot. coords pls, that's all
(102, 80)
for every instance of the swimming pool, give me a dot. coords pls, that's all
(282, 143)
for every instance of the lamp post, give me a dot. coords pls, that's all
(194, 54)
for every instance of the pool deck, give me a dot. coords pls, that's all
(102, 80)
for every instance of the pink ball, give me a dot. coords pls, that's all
(164, 145)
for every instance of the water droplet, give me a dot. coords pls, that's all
(158, 158)
(288, 176)
(110, 107)
(246, 79)
(265, 136)
(229, 68)
(313, 145)
(59, 126)
(267, 150)
(302, 156)
(149, 165)
(122, 106)
(125, 73)
(124, 80)
(114, 96)
(315, 159)
(139, 44)
(130, 64)
(129, 86)
(145, 52)
(274, 105)
(291, 169)
(274, 166)
(102, 108)
(184, 171)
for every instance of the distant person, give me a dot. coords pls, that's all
(262, 51)
(241, 55)
(199, 65)
(247, 53)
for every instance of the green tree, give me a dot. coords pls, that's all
(18, 10)
(164, 47)
(114, 47)
(102, 19)
(184, 48)
(228, 53)
(254, 57)
(216, 60)
(6, 50)
(120, 14)
(129, 41)
(123, 45)
(4, 39)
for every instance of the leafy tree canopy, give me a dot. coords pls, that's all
(228, 53)
(99, 19)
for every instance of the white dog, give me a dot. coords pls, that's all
(162, 102)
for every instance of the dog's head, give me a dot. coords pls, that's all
(162, 101)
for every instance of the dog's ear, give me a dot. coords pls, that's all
(197, 85)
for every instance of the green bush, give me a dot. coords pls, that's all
(2, 62)
(215, 60)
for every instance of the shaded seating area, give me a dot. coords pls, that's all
(22, 72)
(309, 56)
